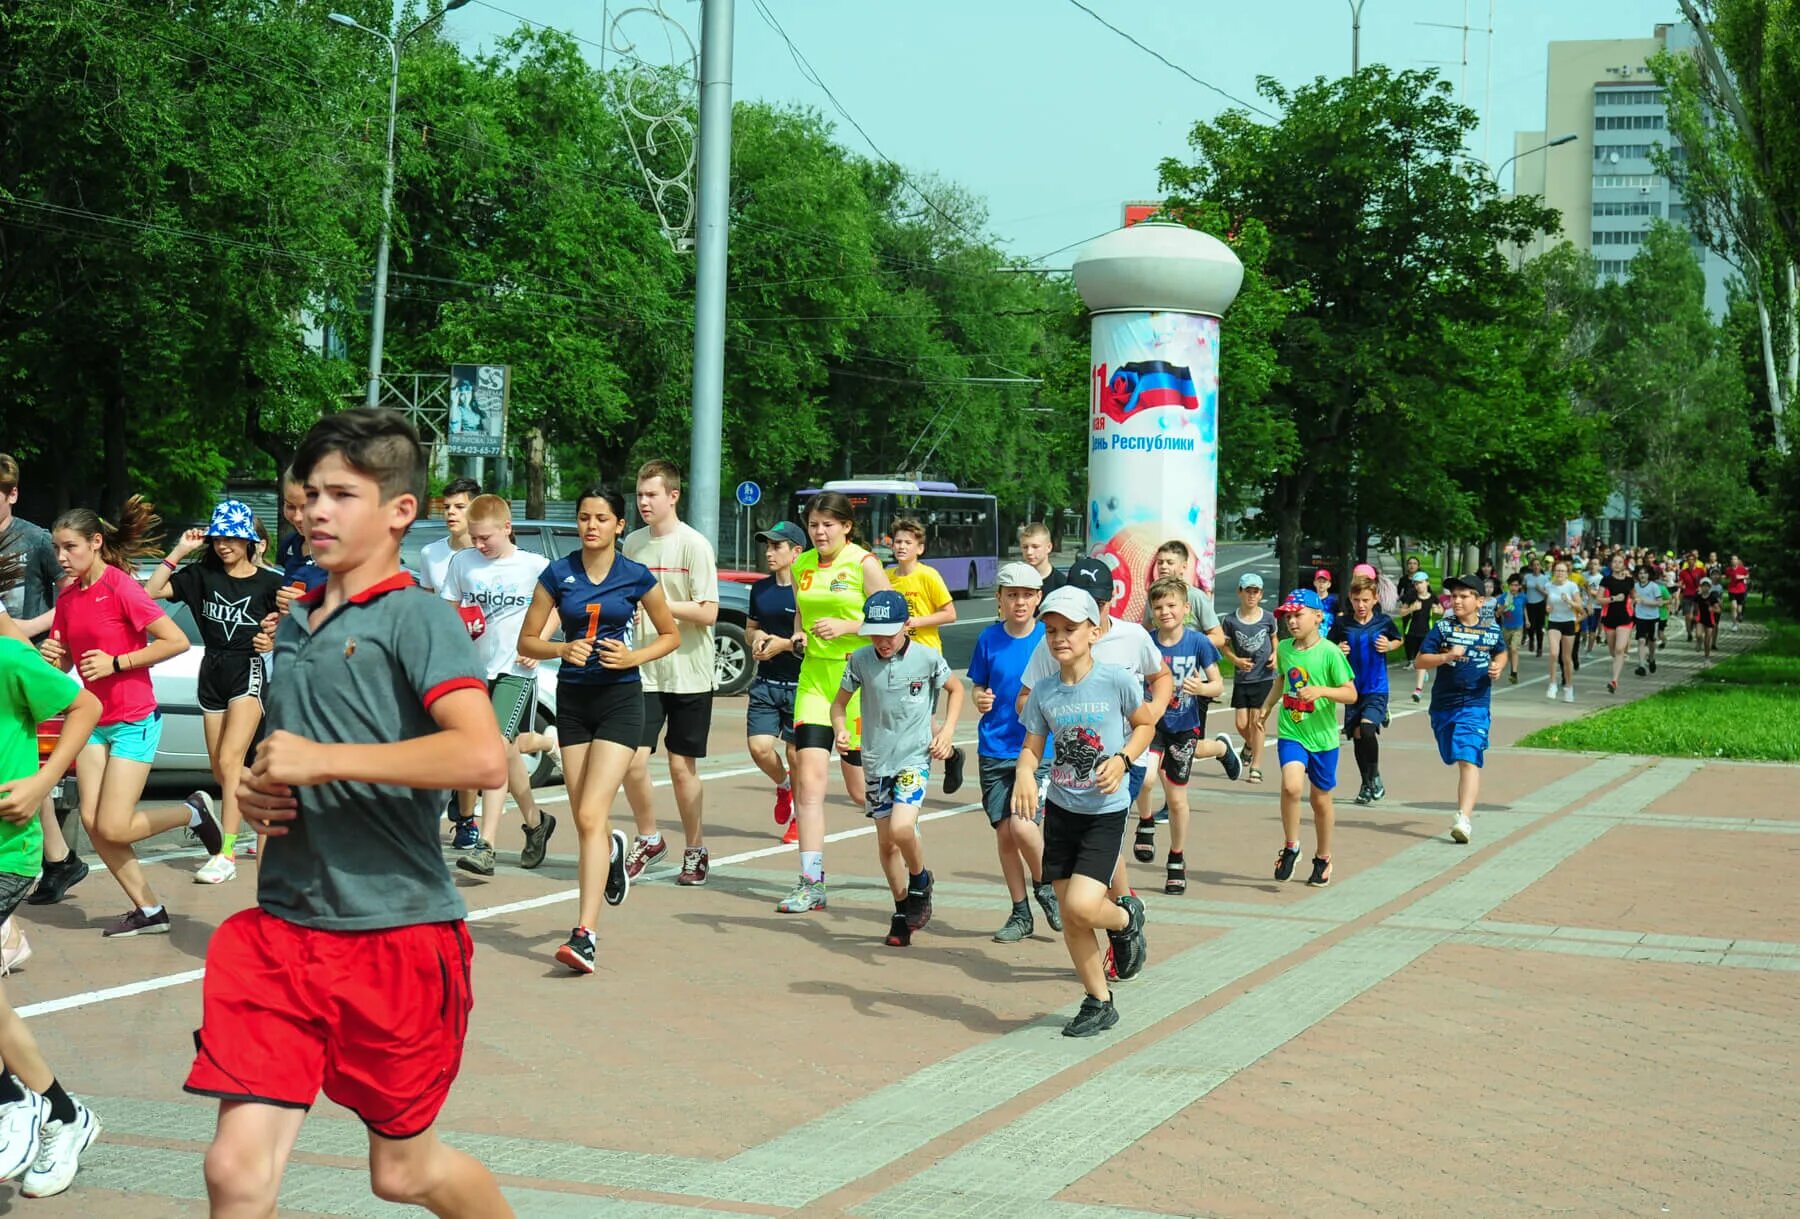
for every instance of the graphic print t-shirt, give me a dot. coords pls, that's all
(772, 609)
(1255, 642)
(1369, 665)
(596, 612)
(1187, 657)
(1083, 725)
(502, 588)
(1463, 682)
(1310, 723)
(228, 610)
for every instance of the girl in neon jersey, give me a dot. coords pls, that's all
(831, 581)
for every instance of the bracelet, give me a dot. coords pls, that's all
(166, 563)
(115, 664)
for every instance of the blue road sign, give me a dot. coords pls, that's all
(749, 494)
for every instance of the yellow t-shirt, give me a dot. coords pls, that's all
(925, 593)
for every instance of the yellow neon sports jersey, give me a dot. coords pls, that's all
(830, 590)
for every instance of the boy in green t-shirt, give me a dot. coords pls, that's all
(1312, 675)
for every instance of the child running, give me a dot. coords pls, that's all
(351, 973)
(1471, 653)
(1095, 722)
(494, 581)
(110, 631)
(434, 565)
(1706, 616)
(899, 679)
(769, 632)
(229, 596)
(1002, 651)
(928, 600)
(595, 592)
(1250, 647)
(1415, 604)
(43, 1130)
(1365, 636)
(1180, 736)
(1649, 603)
(1314, 675)
(1615, 618)
(1510, 615)
(1563, 609)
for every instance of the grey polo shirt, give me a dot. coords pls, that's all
(365, 856)
(897, 696)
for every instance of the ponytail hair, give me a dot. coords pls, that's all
(137, 536)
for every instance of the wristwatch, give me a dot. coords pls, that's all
(1125, 758)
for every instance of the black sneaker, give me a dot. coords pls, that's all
(1362, 794)
(537, 841)
(479, 861)
(1653, 664)
(1284, 862)
(1321, 873)
(618, 880)
(1095, 1016)
(1129, 950)
(578, 953)
(136, 922)
(1143, 846)
(1377, 789)
(1046, 900)
(211, 836)
(953, 771)
(918, 903)
(899, 933)
(1229, 762)
(58, 879)
(1641, 671)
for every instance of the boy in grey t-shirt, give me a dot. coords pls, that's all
(899, 680)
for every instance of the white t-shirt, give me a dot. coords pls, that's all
(1560, 599)
(502, 588)
(1647, 600)
(683, 564)
(435, 559)
(1125, 644)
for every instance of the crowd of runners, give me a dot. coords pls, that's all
(335, 683)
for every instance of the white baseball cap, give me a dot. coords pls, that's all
(1072, 603)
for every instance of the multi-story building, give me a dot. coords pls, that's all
(1604, 184)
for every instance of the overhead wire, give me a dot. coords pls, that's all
(1166, 61)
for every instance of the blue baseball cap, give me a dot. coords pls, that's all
(1299, 599)
(884, 613)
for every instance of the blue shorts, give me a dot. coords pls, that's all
(888, 792)
(132, 740)
(1462, 735)
(1369, 710)
(1135, 776)
(1321, 768)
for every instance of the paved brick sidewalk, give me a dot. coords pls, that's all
(1584, 1011)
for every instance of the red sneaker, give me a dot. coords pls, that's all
(694, 866)
(784, 805)
(1112, 970)
(793, 834)
(643, 854)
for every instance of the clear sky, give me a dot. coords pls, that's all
(1053, 119)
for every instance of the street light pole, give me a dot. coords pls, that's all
(714, 230)
(378, 312)
(1558, 142)
(1355, 36)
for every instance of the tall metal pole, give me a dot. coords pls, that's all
(1355, 36)
(709, 273)
(378, 319)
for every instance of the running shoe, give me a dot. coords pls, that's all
(1460, 829)
(643, 853)
(793, 834)
(537, 841)
(1512, 679)
(784, 805)
(467, 834)
(1095, 1016)
(899, 934)
(953, 770)
(1143, 844)
(136, 922)
(806, 895)
(1653, 664)
(918, 902)
(21, 1125)
(693, 867)
(479, 861)
(1377, 789)
(1416, 693)
(216, 871)
(1321, 873)
(1641, 671)
(1284, 862)
(1612, 687)
(1362, 794)
(245, 846)
(59, 1153)
(1046, 900)
(1229, 762)
(1129, 949)
(1552, 691)
(618, 871)
(1162, 816)
(578, 953)
(211, 836)
(1019, 926)
(58, 879)
(1568, 694)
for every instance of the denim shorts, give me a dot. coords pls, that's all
(132, 740)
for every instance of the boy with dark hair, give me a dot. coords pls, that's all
(1365, 636)
(1510, 615)
(1250, 647)
(1471, 652)
(358, 926)
(1312, 676)
(927, 596)
(434, 564)
(769, 633)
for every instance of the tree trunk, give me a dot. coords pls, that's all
(1771, 374)
(115, 463)
(1347, 533)
(1287, 549)
(534, 473)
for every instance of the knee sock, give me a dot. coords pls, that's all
(1368, 756)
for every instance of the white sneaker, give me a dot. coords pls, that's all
(216, 870)
(1460, 829)
(59, 1153)
(1568, 694)
(1551, 692)
(20, 1126)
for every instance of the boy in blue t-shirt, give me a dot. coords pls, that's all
(1001, 654)
(1180, 733)
(1510, 615)
(1472, 653)
(1366, 636)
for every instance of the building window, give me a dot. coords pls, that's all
(1604, 151)
(1619, 237)
(1640, 181)
(1628, 122)
(1628, 97)
(1639, 208)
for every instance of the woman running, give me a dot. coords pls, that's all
(1563, 610)
(229, 596)
(1535, 583)
(107, 629)
(596, 592)
(831, 581)
(1614, 600)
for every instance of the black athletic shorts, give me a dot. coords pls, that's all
(226, 677)
(1177, 750)
(13, 889)
(1615, 616)
(687, 716)
(1082, 844)
(1250, 693)
(1369, 712)
(1648, 627)
(820, 736)
(609, 711)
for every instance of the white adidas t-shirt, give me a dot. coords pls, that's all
(502, 588)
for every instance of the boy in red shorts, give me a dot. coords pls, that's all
(351, 973)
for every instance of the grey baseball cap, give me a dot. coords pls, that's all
(1250, 580)
(1018, 575)
(1072, 603)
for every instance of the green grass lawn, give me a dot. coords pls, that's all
(1746, 706)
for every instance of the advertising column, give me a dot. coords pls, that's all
(1157, 292)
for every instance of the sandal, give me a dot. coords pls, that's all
(1143, 847)
(1177, 879)
(1253, 775)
